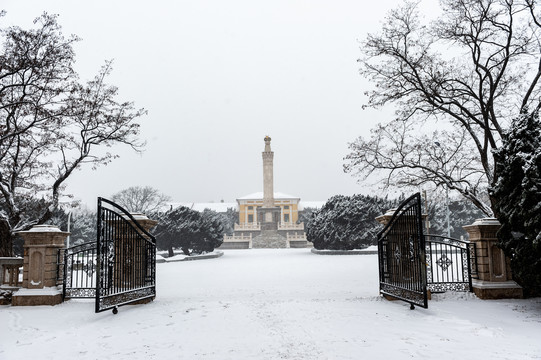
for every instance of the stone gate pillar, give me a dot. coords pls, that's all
(494, 273)
(41, 245)
(385, 218)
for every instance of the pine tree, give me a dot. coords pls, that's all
(305, 215)
(229, 218)
(518, 205)
(461, 212)
(346, 222)
(191, 231)
(210, 233)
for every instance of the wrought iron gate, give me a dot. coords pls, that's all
(450, 264)
(401, 252)
(77, 271)
(126, 259)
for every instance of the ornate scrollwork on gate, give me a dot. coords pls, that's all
(127, 297)
(79, 274)
(397, 254)
(110, 253)
(444, 262)
(89, 268)
(448, 264)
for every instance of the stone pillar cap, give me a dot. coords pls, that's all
(486, 221)
(136, 216)
(44, 228)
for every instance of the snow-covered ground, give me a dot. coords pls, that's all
(275, 304)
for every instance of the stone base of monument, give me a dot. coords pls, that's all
(269, 240)
(32, 297)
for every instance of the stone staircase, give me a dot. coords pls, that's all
(269, 239)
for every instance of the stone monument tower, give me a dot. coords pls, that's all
(269, 214)
(268, 176)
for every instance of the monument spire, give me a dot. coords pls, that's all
(268, 178)
(264, 224)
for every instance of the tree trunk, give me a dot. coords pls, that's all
(494, 201)
(186, 251)
(6, 240)
(170, 250)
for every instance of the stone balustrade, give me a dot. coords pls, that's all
(248, 226)
(296, 240)
(296, 237)
(257, 226)
(237, 241)
(241, 237)
(10, 267)
(290, 226)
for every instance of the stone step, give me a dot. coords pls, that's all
(269, 240)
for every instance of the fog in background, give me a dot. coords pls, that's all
(218, 76)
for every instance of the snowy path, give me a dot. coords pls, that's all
(275, 304)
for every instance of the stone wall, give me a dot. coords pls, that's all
(234, 245)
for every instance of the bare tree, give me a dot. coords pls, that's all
(141, 199)
(470, 72)
(50, 124)
(412, 159)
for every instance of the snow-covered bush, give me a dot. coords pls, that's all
(228, 219)
(209, 235)
(189, 230)
(346, 222)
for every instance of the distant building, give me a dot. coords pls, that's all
(267, 219)
(248, 205)
(222, 207)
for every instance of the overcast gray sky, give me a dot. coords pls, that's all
(216, 77)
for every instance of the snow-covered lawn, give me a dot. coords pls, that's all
(275, 304)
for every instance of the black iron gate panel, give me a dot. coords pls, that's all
(401, 253)
(450, 264)
(78, 270)
(126, 259)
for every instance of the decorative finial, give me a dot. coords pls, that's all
(267, 143)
